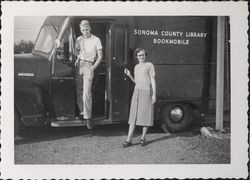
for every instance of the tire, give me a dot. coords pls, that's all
(18, 125)
(176, 117)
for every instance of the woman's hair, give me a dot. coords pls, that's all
(137, 50)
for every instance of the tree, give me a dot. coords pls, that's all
(23, 47)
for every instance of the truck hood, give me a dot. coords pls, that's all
(25, 65)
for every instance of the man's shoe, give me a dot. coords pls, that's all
(89, 124)
(81, 118)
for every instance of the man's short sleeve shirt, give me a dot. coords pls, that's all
(88, 47)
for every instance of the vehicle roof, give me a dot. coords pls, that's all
(55, 20)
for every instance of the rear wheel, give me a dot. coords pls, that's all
(176, 117)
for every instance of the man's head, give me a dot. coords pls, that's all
(85, 28)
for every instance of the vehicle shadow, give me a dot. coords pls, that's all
(172, 135)
(40, 134)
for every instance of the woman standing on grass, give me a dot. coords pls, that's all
(144, 96)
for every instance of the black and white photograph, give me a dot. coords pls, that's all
(126, 93)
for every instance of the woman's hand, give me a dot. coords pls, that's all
(153, 98)
(127, 72)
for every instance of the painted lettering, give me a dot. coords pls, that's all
(171, 41)
(172, 33)
(145, 32)
(196, 34)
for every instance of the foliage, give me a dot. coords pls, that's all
(23, 47)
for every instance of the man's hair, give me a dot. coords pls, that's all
(85, 23)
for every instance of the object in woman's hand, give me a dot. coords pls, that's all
(126, 71)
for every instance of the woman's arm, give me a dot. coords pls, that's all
(153, 84)
(127, 72)
(152, 81)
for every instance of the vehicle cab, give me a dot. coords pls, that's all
(45, 80)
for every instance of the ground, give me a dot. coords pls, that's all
(103, 145)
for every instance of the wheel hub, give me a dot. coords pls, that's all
(176, 114)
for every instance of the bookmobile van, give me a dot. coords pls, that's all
(182, 49)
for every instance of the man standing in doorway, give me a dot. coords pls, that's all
(89, 56)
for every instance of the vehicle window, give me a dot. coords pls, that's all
(65, 51)
(46, 39)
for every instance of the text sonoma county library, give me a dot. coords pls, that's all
(170, 37)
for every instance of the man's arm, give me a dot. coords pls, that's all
(77, 51)
(99, 59)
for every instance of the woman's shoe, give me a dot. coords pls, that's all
(142, 142)
(126, 144)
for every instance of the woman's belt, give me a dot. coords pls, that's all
(142, 86)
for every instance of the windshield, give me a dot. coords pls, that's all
(45, 39)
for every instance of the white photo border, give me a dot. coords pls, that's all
(238, 12)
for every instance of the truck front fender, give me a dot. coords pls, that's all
(29, 101)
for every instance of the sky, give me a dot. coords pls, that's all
(27, 27)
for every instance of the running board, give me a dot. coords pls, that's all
(67, 123)
(76, 122)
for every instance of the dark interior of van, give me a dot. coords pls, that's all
(99, 104)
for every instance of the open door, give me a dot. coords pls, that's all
(119, 82)
(100, 85)
(62, 78)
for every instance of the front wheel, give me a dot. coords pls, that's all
(17, 123)
(176, 117)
